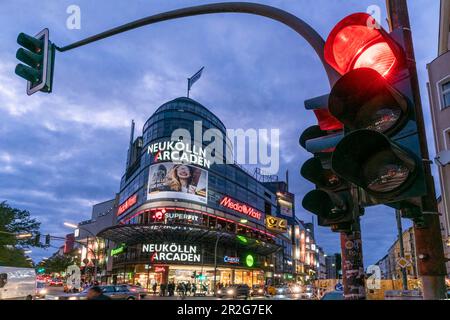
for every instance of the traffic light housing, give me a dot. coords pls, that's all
(37, 239)
(332, 200)
(380, 152)
(38, 55)
(47, 240)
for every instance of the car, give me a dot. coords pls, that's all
(135, 288)
(333, 295)
(234, 291)
(41, 289)
(115, 292)
(282, 290)
(56, 283)
(257, 290)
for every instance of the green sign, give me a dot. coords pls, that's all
(118, 250)
(242, 239)
(249, 261)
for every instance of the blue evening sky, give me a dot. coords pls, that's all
(61, 153)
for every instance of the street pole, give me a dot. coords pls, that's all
(215, 262)
(428, 238)
(352, 264)
(402, 248)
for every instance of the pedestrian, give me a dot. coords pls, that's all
(188, 288)
(155, 285)
(96, 293)
(194, 289)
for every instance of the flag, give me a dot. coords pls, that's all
(194, 78)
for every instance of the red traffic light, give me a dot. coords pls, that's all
(355, 43)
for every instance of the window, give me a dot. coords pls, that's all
(446, 95)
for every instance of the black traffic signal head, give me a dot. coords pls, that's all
(370, 160)
(324, 178)
(362, 99)
(332, 209)
(38, 54)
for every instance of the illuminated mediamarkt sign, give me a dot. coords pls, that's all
(240, 207)
(127, 204)
(172, 252)
(178, 151)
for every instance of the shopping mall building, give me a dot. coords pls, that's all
(179, 216)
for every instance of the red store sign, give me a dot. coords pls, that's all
(240, 207)
(131, 201)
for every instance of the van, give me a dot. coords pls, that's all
(17, 283)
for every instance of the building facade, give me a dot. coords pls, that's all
(389, 264)
(439, 95)
(179, 216)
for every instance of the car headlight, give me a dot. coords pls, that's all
(260, 290)
(73, 298)
(43, 291)
(219, 291)
(230, 292)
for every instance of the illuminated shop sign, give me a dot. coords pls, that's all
(179, 152)
(276, 224)
(127, 204)
(240, 207)
(185, 217)
(177, 181)
(249, 260)
(172, 252)
(118, 250)
(231, 260)
(159, 269)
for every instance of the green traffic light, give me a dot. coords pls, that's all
(29, 42)
(28, 73)
(32, 59)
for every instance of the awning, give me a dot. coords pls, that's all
(137, 233)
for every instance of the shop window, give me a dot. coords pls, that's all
(212, 223)
(445, 95)
(231, 227)
(221, 224)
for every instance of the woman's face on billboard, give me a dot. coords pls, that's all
(183, 172)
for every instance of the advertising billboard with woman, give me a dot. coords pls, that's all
(180, 181)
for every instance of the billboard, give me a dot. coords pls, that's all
(179, 181)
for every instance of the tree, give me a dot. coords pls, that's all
(13, 222)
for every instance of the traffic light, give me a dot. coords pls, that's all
(380, 151)
(47, 240)
(332, 200)
(38, 54)
(37, 239)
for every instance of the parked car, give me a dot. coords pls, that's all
(115, 292)
(234, 291)
(17, 283)
(135, 288)
(333, 295)
(41, 289)
(257, 290)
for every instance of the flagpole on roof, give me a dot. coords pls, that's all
(194, 79)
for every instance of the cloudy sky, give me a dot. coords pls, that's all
(63, 152)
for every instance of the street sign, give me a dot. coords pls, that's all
(339, 287)
(403, 263)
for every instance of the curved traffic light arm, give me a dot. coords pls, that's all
(288, 19)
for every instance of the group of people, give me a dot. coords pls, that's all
(182, 288)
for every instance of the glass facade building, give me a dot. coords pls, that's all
(182, 217)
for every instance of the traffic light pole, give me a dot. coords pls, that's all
(428, 239)
(352, 265)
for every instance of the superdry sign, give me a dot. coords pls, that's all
(127, 204)
(240, 207)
